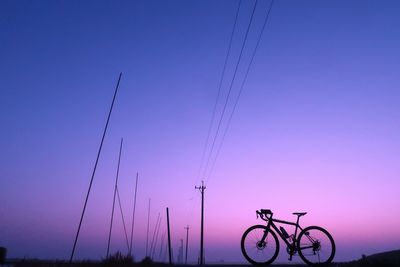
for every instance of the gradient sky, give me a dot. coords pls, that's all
(317, 127)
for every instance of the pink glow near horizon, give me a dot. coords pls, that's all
(317, 127)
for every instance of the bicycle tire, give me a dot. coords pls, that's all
(256, 231)
(312, 236)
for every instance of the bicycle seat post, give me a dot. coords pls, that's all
(298, 219)
(299, 214)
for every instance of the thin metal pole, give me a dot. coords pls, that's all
(169, 239)
(161, 247)
(165, 251)
(154, 235)
(133, 214)
(113, 205)
(181, 252)
(148, 225)
(155, 242)
(123, 219)
(94, 171)
(187, 239)
(202, 188)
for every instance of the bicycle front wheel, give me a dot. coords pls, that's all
(316, 246)
(256, 250)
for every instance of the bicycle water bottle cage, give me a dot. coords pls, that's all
(284, 233)
(266, 212)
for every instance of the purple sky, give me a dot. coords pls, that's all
(317, 127)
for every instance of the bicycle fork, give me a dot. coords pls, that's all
(262, 242)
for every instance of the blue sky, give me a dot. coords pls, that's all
(320, 109)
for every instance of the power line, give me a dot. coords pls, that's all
(190, 209)
(241, 89)
(230, 87)
(219, 89)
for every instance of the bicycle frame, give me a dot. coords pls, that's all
(260, 243)
(271, 223)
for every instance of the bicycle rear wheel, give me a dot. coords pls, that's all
(259, 252)
(316, 246)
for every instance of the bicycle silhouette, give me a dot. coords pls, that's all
(260, 245)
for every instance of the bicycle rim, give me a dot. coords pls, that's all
(316, 246)
(257, 252)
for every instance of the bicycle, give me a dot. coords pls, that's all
(260, 245)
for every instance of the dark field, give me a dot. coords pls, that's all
(386, 259)
(41, 263)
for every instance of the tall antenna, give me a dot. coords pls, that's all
(187, 239)
(94, 170)
(115, 193)
(201, 189)
(133, 214)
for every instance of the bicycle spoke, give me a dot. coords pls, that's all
(316, 246)
(256, 250)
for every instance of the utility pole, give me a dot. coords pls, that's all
(169, 239)
(201, 189)
(187, 239)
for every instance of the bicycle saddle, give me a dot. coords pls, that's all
(299, 213)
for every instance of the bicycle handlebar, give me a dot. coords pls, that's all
(263, 212)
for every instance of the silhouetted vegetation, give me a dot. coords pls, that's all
(118, 259)
(386, 259)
